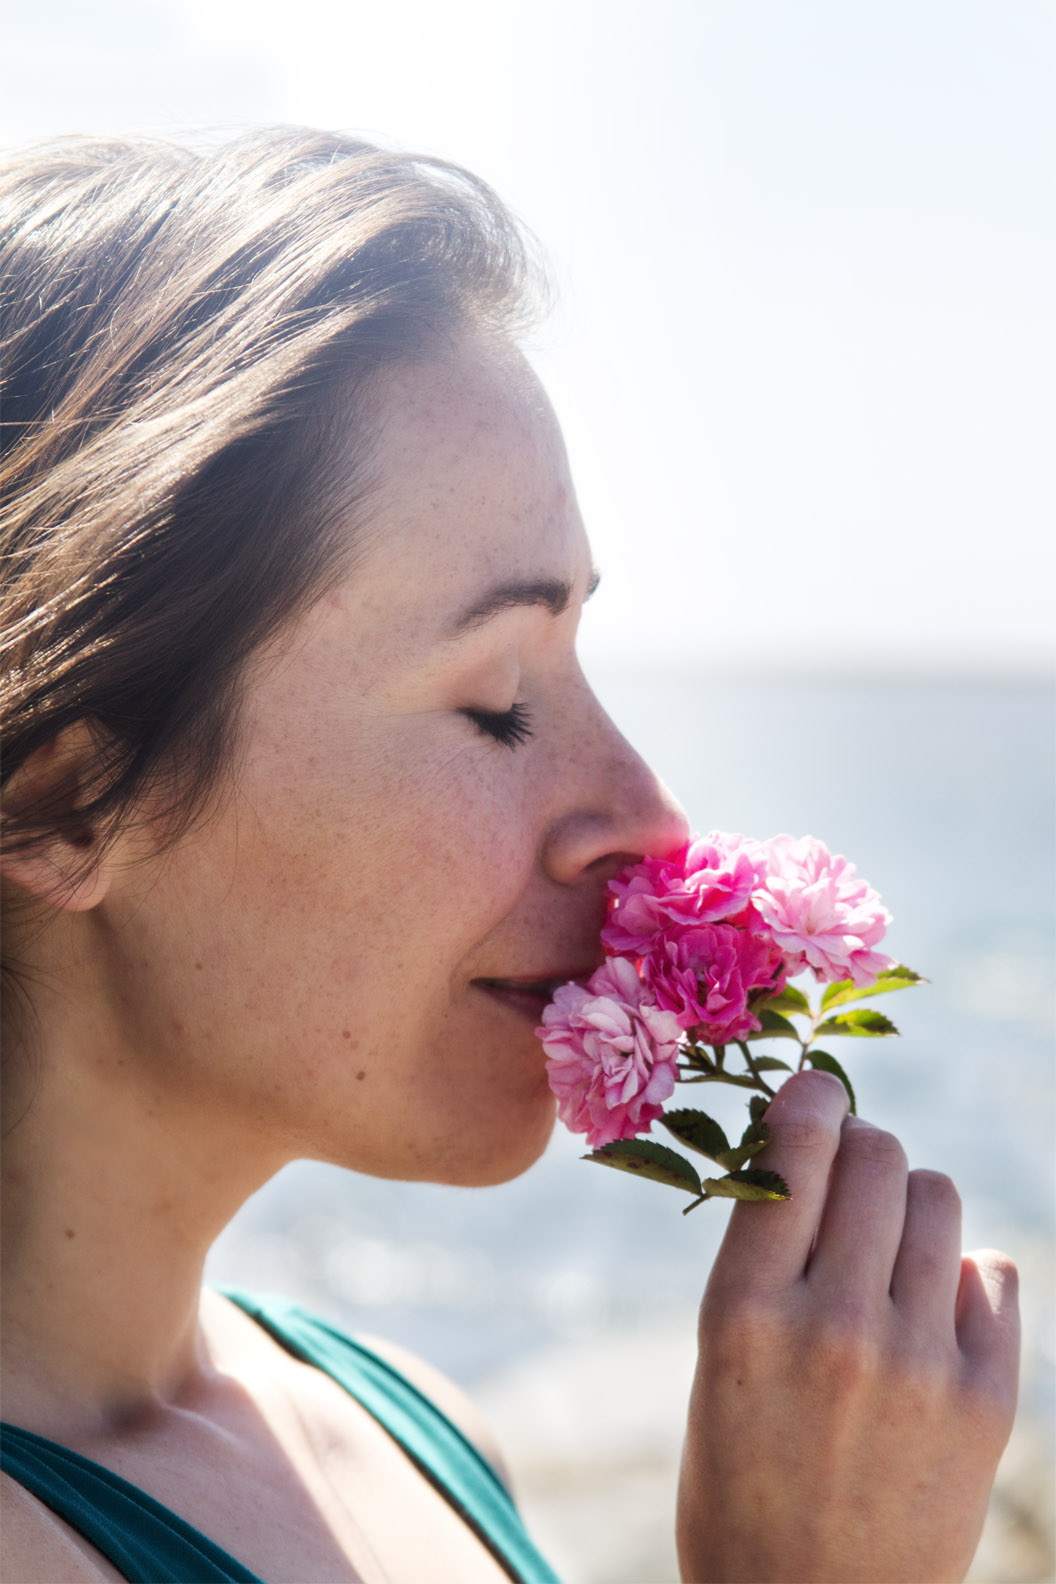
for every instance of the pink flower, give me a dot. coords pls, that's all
(708, 975)
(610, 1054)
(710, 878)
(820, 914)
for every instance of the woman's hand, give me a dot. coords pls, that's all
(857, 1378)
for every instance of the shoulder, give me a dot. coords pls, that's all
(233, 1332)
(40, 1547)
(449, 1398)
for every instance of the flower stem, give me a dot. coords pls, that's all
(753, 1069)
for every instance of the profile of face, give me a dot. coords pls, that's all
(351, 955)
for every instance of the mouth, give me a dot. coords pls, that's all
(529, 995)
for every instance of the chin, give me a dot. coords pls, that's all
(489, 1151)
(477, 1169)
(479, 1152)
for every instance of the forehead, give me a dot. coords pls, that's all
(472, 480)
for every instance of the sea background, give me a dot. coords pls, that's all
(565, 1301)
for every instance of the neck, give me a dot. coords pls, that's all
(115, 1187)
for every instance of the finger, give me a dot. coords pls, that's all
(861, 1225)
(768, 1244)
(988, 1314)
(927, 1271)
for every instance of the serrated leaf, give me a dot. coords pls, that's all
(755, 1137)
(770, 1064)
(646, 1159)
(823, 1062)
(864, 1022)
(750, 1184)
(699, 1131)
(900, 978)
(789, 1000)
(757, 1107)
(774, 1026)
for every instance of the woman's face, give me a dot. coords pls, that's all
(353, 954)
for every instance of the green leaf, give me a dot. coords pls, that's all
(646, 1159)
(823, 1062)
(754, 1138)
(774, 1026)
(699, 1131)
(789, 1000)
(899, 978)
(863, 1021)
(757, 1107)
(750, 1184)
(770, 1064)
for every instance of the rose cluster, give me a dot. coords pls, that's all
(697, 943)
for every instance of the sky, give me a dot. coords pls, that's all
(805, 342)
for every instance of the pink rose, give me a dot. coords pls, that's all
(708, 975)
(708, 879)
(611, 1054)
(820, 914)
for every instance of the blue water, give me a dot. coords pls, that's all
(943, 796)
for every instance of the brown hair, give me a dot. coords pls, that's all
(180, 322)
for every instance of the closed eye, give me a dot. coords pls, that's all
(510, 727)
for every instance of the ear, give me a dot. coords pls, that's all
(60, 870)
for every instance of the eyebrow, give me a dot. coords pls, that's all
(553, 594)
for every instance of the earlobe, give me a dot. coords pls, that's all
(63, 867)
(59, 872)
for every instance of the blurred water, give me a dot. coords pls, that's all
(943, 796)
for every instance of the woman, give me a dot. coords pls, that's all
(308, 807)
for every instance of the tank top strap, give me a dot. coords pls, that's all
(436, 1446)
(146, 1542)
(150, 1544)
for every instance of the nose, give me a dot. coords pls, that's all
(616, 810)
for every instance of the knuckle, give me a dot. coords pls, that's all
(930, 1266)
(924, 1377)
(738, 1326)
(934, 1187)
(847, 1348)
(807, 1134)
(875, 1148)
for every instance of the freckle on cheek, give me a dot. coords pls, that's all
(70, 1232)
(360, 1075)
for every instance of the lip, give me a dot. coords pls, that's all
(530, 993)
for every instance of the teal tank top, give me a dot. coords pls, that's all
(151, 1545)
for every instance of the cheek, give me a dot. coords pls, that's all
(425, 837)
(357, 887)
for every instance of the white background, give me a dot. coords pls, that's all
(805, 249)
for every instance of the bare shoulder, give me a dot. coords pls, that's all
(449, 1398)
(238, 1340)
(39, 1547)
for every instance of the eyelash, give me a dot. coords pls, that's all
(510, 727)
